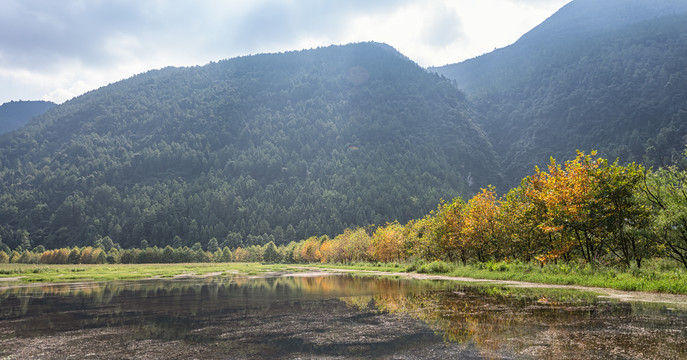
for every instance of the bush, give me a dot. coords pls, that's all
(437, 266)
(496, 266)
(415, 265)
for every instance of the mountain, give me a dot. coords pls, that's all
(606, 75)
(15, 114)
(247, 150)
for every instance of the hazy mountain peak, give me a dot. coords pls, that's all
(588, 16)
(247, 149)
(16, 114)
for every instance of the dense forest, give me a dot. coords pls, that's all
(255, 149)
(605, 75)
(587, 210)
(16, 114)
(323, 144)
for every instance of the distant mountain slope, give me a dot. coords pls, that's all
(606, 75)
(246, 150)
(16, 114)
(592, 17)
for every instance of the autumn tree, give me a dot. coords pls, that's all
(310, 249)
(355, 244)
(564, 199)
(522, 237)
(387, 243)
(422, 237)
(482, 230)
(449, 231)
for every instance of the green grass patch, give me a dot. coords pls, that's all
(71, 273)
(654, 276)
(657, 275)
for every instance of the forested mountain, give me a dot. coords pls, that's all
(15, 114)
(258, 148)
(607, 75)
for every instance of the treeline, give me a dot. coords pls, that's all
(98, 255)
(588, 210)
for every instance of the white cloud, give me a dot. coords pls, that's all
(55, 50)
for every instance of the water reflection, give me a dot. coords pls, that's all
(328, 316)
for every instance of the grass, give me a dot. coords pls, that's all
(650, 278)
(73, 273)
(659, 275)
(655, 276)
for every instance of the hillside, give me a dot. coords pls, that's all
(16, 114)
(258, 148)
(596, 75)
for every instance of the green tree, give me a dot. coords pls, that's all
(24, 240)
(107, 243)
(74, 256)
(177, 243)
(227, 256)
(271, 255)
(212, 245)
(197, 247)
(625, 216)
(168, 255)
(665, 191)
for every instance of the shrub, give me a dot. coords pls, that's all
(437, 266)
(415, 265)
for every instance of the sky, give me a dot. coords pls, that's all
(56, 50)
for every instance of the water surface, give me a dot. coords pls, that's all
(330, 317)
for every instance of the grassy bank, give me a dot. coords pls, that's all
(27, 273)
(655, 276)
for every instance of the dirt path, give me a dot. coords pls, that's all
(678, 301)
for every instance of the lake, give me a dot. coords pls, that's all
(308, 316)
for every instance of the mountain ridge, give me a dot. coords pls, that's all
(246, 150)
(15, 114)
(611, 90)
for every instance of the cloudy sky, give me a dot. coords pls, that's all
(55, 50)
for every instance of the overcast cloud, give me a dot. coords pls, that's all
(55, 50)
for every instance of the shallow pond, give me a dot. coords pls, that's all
(330, 317)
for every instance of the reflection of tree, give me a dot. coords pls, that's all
(497, 322)
(501, 324)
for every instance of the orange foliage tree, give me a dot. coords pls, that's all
(387, 243)
(562, 198)
(587, 206)
(482, 229)
(450, 234)
(310, 250)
